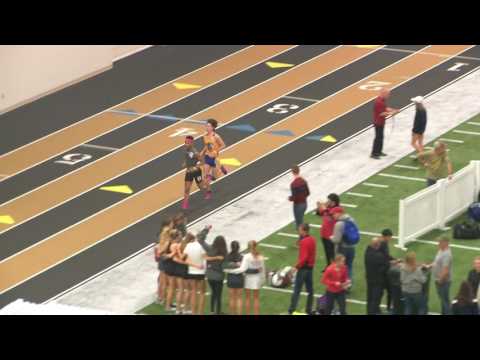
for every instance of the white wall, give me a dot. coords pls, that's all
(28, 72)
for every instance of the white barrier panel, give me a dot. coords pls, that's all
(432, 207)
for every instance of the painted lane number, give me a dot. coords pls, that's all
(373, 85)
(72, 159)
(282, 108)
(457, 66)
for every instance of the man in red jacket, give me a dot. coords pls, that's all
(300, 192)
(304, 268)
(380, 113)
(336, 279)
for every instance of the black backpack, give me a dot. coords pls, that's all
(466, 230)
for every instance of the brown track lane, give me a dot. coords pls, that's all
(60, 190)
(77, 238)
(83, 131)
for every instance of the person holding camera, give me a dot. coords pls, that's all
(413, 278)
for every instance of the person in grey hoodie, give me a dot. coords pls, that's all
(337, 239)
(412, 279)
(216, 254)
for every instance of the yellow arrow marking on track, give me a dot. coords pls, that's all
(124, 189)
(329, 138)
(185, 86)
(276, 65)
(6, 219)
(232, 162)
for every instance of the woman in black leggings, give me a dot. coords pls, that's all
(216, 254)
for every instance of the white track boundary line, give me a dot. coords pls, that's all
(452, 140)
(101, 147)
(349, 205)
(154, 110)
(358, 194)
(406, 167)
(473, 123)
(131, 53)
(301, 98)
(466, 132)
(272, 246)
(150, 246)
(401, 177)
(375, 185)
(173, 149)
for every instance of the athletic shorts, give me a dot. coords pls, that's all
(210, 161)
(194, 175)
(195, 277)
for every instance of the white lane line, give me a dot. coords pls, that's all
(287, 172)
(348, 205)
(101, 147)
(272, 246)
(466, 132)
(452, 140)
(431, 148)
(288, 235)
(407, 167)
(375, 185)
(156, 109)
(434, 54)
(451, 245)
(161, 117)
(301, 98)
(473, 123)
(352, 301)
(401, 177)
(172, 149)
(358, 194)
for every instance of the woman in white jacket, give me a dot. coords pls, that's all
(253, 265)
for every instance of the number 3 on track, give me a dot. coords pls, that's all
(282, 108)
(373, 85)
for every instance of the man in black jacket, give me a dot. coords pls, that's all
(385, 239)
(376, 267)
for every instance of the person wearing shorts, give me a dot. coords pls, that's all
(193, 171)
(195, 257)
(419, 124)
(253, 265)
(235, 282)
(213, 144)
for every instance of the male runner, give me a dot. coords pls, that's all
(192, 164)
(213, 144)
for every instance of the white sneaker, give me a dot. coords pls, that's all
(178, 312)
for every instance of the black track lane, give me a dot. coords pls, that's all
(95, 200)
(116, 248)
(129, 77)
(138, 129)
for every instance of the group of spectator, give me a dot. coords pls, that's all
(186, 262)
(405, 283)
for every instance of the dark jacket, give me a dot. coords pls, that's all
(474, 279)
(376, 266)
(214, 268)
(385, 250)
(464, 309)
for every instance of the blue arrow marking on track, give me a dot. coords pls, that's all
(281, 132)
(243, 127)
(314, 137)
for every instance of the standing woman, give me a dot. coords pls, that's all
(180, 223)
(419, 124)
(253, 264)
(412, 279)
(183, 293)
(336, 280)
(216, 254)
(196, 274)
(171, 269)
(235, 282)
(213, 145)
(161, 249)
